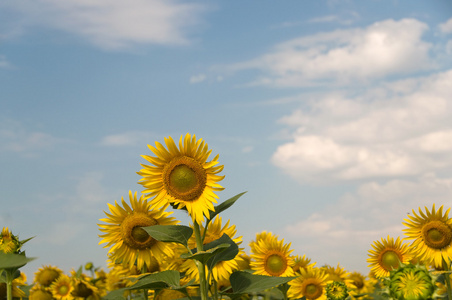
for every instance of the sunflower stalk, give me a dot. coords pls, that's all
(200, 265)
(447, 278)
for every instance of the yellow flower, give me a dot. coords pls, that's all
(222, 269)
(411, 283)
(301, 262)
(182, 176)
(46, 275)
(338, 274)
(432, 235)
(9, 243)
(271, 257)
(387, 255)
(16, 291)
(310, 284)
(62, 287)
(39, 292)
(362, 285)
(130, 244)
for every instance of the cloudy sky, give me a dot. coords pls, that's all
(334, 116)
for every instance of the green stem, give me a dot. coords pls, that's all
(201, 267)
(447, 277)
(9, 284)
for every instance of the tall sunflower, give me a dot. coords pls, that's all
(387, 255)
(222, 269)
(310, 284)
(432, 235)
(182, 176)
(271, 256)
(130, 244)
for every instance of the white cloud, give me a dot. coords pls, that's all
(401, 128)
(112, 24)
(14, 137)
(4, 62)
(370, 213)
(130, 138)
(345, 56)
(198, 78)
(446, 27)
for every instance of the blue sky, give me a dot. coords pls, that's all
(333, 115)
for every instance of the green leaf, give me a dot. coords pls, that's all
(224, 205)
(170, 233)
(155, 281)
(11, 260)
(227, 253)
(245, 283)
(204, 256)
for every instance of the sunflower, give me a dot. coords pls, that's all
(182, 177)
(310, 284)
(38, 292)
(62, 287)
(387, 255)
(432, 235)
(271, 257)
(223, 269)
(301, 262)
(130, 243)
(9, 243)
(362, 285)
(17, 292)
(46, 275)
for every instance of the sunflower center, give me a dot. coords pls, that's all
(312, 291)
(275, 265)
(134, 236)
(63, 290)
(437, 234)
(390, 260)
(184, 178)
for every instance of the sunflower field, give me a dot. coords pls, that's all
(152, 256)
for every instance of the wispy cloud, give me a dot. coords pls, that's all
(14, 137)
(111, 24)
(344, 56)
(198, 78)
(373, 211)
(4, 62)
(398, 129)
(130, 138)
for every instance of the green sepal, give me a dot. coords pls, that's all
(156, 281)
(223, 206)
(245, 283)
(170, 233)
(12, 260)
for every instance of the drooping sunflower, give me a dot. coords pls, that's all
(46, 275)
(271, 257)
(222, 269)
(432, 235)
(130, 244)
(182, 176)
(310, 283)
(62, 288)
(387, 255)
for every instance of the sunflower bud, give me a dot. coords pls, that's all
(336, 290)
(411, 283)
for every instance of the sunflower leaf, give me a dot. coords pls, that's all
(245, 283)
(170, 233)
(224, 205)
(155, 281)
(206, 255)
(12, 260)
(227, 254)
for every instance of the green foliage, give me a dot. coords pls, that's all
(170, 233)
(224, 205)
(247, 283)
(12, 260)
